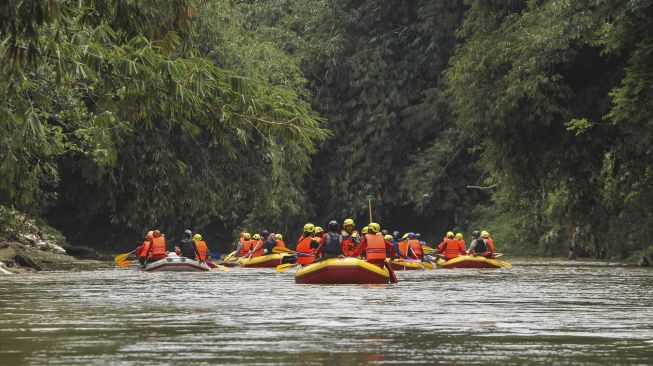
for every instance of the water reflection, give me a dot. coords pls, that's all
(534, 314)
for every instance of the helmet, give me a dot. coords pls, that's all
(459, 236)
(150, 233)
(197, 237)
(405, 236)
(364, 230)
(485, 234)
(257, 237)
(333, 225)
(395, 234)
(374, 227)
(188, 233)
(411, 235)
(309, 228)
(318, 230)
(265, 234)
(247, 236)
(348, 222)
(279, 236)
(476, 234)
(384, 232)
(388, 237)
(450, 234)
(149, 236)
(157, 233)
(418, 236)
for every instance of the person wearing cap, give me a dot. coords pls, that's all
(450, 247)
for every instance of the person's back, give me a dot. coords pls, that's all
(201, 249)
(415, 248)
(158, 246)
(331, 246)
(187, 245)
(450, 247)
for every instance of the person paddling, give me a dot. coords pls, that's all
(375, 247)
(488, 239)
(306, 246)
(280, 242)
(157, 249)
(244, 245)
(143, 250)
(201, 249)
(331, 243)
(450, 247)
(269, 244)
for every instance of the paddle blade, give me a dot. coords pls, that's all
(121, 257)
(219, 266)
(428, 265)
(280, 250)
(284, 267)
(505, 264)
(124, 263)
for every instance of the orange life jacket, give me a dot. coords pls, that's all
(491, 242)
(416, 247)
(348, 245)
(304, 247)
(144, 248)
(158, 246)
(280, 243)
(462, 243)
(375, 250)
(202, 250)
(257, 247)
(247, 245)
(403, 247)
(451, 248)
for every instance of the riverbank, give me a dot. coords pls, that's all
(20, 258)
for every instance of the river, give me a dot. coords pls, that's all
(531, 313)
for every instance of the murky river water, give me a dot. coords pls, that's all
(528, 314)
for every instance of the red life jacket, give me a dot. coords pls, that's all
(348, 244)
(257, 247)
(158, 247)
(450, 248)
(141, 252)
(491, 242)
(416, 247)
(403, 248)
(280, 243)
(375, 250)
(304, 247)
(202, 250)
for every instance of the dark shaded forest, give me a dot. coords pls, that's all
(123, 115)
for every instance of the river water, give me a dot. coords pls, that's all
(532, 314)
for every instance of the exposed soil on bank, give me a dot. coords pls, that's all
(20, 258)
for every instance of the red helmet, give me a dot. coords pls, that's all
(157, 233)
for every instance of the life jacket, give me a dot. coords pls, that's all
(280, 243)
(202, 250)
(481, 246)
(450, 248)
(348, 243)
(158, 246)
(416, 247)
(491, 242)
(332, 243)
(403, 248)
(141, 252)
(247, 245)
(257, 247)
(304, 247)
(462, 243)
(375, 250)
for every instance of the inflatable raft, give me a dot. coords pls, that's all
(264, 261)
(468, 261)
(342, 270)
(176, 264)
(406, 265)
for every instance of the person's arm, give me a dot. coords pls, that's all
(390, 249)
(472, 247)
(361, 247)
(461, 248)
(441, 248)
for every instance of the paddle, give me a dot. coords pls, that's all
(284, 267)
(427, 248)
(124, 263)
(122, 257)
(282, 250)
(228, 257)
(218, 266)
(427, 265)
(393, 276)
(505, 264)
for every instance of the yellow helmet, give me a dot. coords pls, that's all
(247, 236)
(348, 222)
(450, 234)
(257, 237)
(279, 236)
(459, 236)
(388, 237)
(318, 230)
(309, 228)
(405, 236)
(151, 232)
(375, 227)
(364, 230)
(197, 237)
(485, 234)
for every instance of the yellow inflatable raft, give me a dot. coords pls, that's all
(468, 261)
(264, 261)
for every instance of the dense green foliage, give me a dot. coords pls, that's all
(205, 114)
